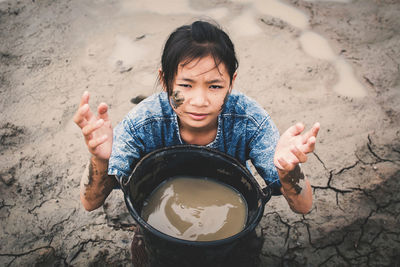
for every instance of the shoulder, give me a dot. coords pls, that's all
(240, 105)
(154, 108)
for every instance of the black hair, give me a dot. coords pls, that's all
(196, 41)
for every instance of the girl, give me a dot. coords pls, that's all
(197, 106)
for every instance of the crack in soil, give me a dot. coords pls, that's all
(3, 205)
(81, 247)
(362, 228)
(380, 159)
(327, 260)
(82, 227)
(17, 255)
(319, 159)
(123, 226)
(288, 226)
(330, 187)
(346, 168)
(37, 206)
(62, 221)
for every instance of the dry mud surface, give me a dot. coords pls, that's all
(51, 51)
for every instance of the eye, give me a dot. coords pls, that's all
(216, 87)
(184, 85)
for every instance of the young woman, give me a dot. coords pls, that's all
(197, 106)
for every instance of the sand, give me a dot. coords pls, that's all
(333, 62)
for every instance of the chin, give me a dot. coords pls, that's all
(199, 125)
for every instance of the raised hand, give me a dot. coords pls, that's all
(293, 146)
(97, 130)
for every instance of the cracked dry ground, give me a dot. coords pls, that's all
(355, 170)
(355, 217)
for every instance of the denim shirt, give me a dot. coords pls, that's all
(245, 131)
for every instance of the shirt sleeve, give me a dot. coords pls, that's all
(261, 152)
(127, 149)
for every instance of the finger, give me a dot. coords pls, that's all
(310, 145)
(296, 129)
(312, 132)
(107, 124)
(316, 128)
(84, 99)
(302, 157)
(94, 143)
(91, 127)
(102, 111)
(89, 116)
(80, 116)
(286, 166)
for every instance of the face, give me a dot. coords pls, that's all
(200, 89)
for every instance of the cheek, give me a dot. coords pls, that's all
(177, 99)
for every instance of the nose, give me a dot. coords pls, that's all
(199, 97)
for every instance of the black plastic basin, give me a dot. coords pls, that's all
(189, 160)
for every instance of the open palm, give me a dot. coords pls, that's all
(97, 130)
(293, 146)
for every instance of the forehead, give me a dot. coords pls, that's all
(206, 66)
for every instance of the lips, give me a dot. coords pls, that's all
(198, 116)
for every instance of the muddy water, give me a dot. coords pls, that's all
(196, 209)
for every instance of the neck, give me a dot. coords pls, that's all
(200, 137)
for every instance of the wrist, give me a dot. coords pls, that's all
(292, 180)
(99, 162)
(98, 169)
(281, 172)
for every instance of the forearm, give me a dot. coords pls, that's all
(96, 184)
(296, 189)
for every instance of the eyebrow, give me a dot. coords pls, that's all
(209, 82)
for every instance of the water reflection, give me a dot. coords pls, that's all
(195, 209)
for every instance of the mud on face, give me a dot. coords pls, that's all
(177, 99)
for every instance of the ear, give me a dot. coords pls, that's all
(233, 81)
(161, 79)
